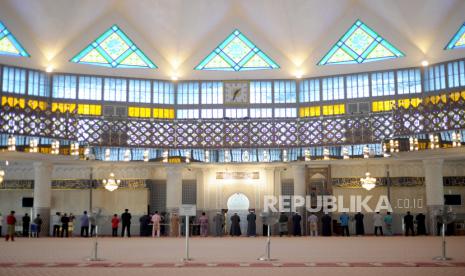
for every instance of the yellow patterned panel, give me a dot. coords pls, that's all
(163, 113)
(12, 102)
(336, 109)
(35, 104)
(381, 106)
(139, 112)
(63, 107)
(435, 99)
(310, 111)
(90, 109)
(406, 103)
(457, 95)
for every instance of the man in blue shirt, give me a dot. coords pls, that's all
(344, 219)
(85, 225)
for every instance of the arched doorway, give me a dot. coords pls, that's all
(238, 203)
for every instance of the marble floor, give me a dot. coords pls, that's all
(233, 256)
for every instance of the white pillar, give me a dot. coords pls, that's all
(43, 193)
(277, 182)
(434, 189)
(173, 187)
(200, 189)
(299, 173)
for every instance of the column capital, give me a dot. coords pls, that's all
(174, 169)
(433, 162)
(43, 166)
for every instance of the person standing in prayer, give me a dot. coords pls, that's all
(296, 218)
(1, 224)
(378, 223)
(313, 224)
(203, 220)
(126, 223)
(72, 218)
(283, 220)
(344, 220)
(85, 225)
(38, 222)
(93, 223)
(56, 220)
(235, 225)
(174, 225)
(114, 225)
(156, 219)
(252, 225)
(326, 223)
(408, 223)
(64, 225)
(421, 225)
(219, 224)
(145, 228)
(26, 223)
(10, 223)
(359, 226)
(388, 223)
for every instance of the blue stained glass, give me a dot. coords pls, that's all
(360, 44)
(237, 53)
(114, 49)
(458, 40)
(9, 45)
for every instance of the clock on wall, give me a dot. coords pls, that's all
(236, 92)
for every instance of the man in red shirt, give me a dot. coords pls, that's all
(11, 222)
(114, 225)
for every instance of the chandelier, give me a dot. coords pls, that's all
(111, 183)
(368, 182)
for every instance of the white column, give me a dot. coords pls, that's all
(200, 189)
(43, 193)
(277, 182)
(173, 187)
(299, 173)
(434, 189)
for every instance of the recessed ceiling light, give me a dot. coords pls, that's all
(49, 69)
(424, 63)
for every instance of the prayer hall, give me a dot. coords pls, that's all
(232, 137)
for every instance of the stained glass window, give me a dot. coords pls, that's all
(90, 88)
(14, 80)
(163, 92)
(408, 81)
(188, 93)
(64, 86)
(115, 90)
(458, 41)
(285, 92)
(237, 53)
(9, 45)
(285, 112)
(261, 92)
(358, 45)
(434, 78)
(309, 90)
(383, 84)
(114, 49)
(357, 86)
(38, 84)
(212, 92)
(456, 71)
(261, 113)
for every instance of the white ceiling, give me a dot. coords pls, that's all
(178, 34)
